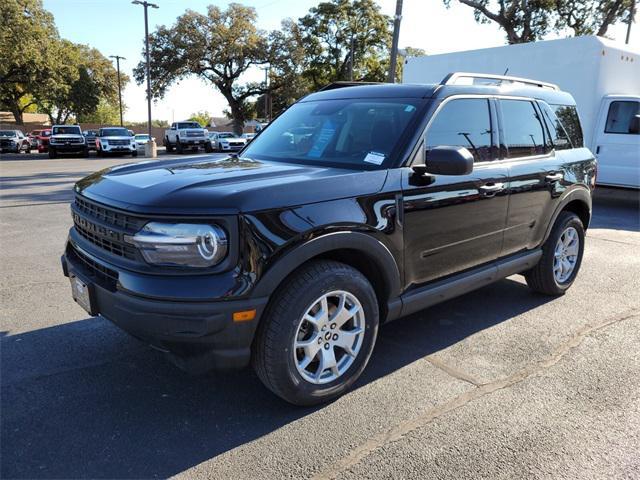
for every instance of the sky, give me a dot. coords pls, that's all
(116, 27)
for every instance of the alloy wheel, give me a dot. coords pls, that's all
(329, 337)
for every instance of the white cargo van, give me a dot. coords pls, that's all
(602, 76)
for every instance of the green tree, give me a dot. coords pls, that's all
(530, 20)
(203, 117)
(27, 33)
(333, 30)
(591, 17)
(106, 113)
(218, 47)
(83, 78)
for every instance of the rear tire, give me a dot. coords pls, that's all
(561, 257)
(208, 148)
(295, 316)
(167, 144)
(134, 153)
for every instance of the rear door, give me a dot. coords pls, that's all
(617, 142)
(536, 174)
(452, 223)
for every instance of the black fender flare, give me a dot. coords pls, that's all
(582, 194)
(373, 249)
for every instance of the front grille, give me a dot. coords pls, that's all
(119, 142)
(105, 228)
(6, 143)
(195, 134)
(236, 144)
(62, 141)
(100, 274)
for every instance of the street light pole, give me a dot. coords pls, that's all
(146, 5)
(394, 43)
(118, 58)
(632, 14)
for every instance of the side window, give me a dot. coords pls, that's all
(465, 122)
(568, 116)
(559, 136)
(524, 135)
(620, 116)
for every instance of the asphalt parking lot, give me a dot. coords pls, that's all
(500, 383)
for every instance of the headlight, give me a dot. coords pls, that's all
(181, 244)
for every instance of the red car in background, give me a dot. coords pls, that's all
(43, 140)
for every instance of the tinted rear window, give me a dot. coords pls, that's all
(559, 136)
(523, 131)
(568, 116)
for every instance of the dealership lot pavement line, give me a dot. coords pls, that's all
(398, 432)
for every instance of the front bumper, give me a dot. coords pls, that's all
(68, 147)
(231, 147)
(119, 148)
(194, 141)
(185, 328)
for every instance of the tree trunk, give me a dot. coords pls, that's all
(17, 114)
(238, 116)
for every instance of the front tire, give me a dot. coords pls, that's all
(561, 257)
(208, 148)
(134, 153)
(52, 153)
(179, 147)
(167, 144)
(317, 334)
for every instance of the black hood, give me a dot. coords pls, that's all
(230, 185)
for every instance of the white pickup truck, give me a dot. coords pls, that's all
(186, 135)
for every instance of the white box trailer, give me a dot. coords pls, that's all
(603, 77)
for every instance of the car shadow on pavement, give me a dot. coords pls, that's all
(83, 399)
(616, 209)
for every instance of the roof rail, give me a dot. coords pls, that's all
(334, 85)
(453, 78)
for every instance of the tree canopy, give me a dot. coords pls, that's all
(530, 20)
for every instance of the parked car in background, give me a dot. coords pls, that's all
(33, 138)
(42, 140)
(602, 75)
(14, 141)
(90, 137)
(67, 139)
(186, 135)
(142, 139)
(248, 136)
(290, 256)
(115, 140)
(227, 141)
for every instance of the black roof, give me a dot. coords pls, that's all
(402, 90)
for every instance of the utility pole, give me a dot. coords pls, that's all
(267, 113)
(394, 43)
(351, 59)
(632, 14)
(146, 5)
(118, 58)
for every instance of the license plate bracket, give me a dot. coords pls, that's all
(83, 294)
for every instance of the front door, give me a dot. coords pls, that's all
(452, 223)
(617, 142)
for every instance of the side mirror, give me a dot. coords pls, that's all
(634, 125)
(446, 160)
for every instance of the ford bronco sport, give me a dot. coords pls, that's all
(358, 205)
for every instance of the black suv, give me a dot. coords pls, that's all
(358, 205)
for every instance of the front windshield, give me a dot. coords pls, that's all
(7, 133)
(353, 133)
(114, 132)
(71, 130)
(189, 125)
(225, 135)
(142, 137)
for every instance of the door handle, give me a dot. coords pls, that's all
(491, 189)
(556, 177)
(598, 149)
